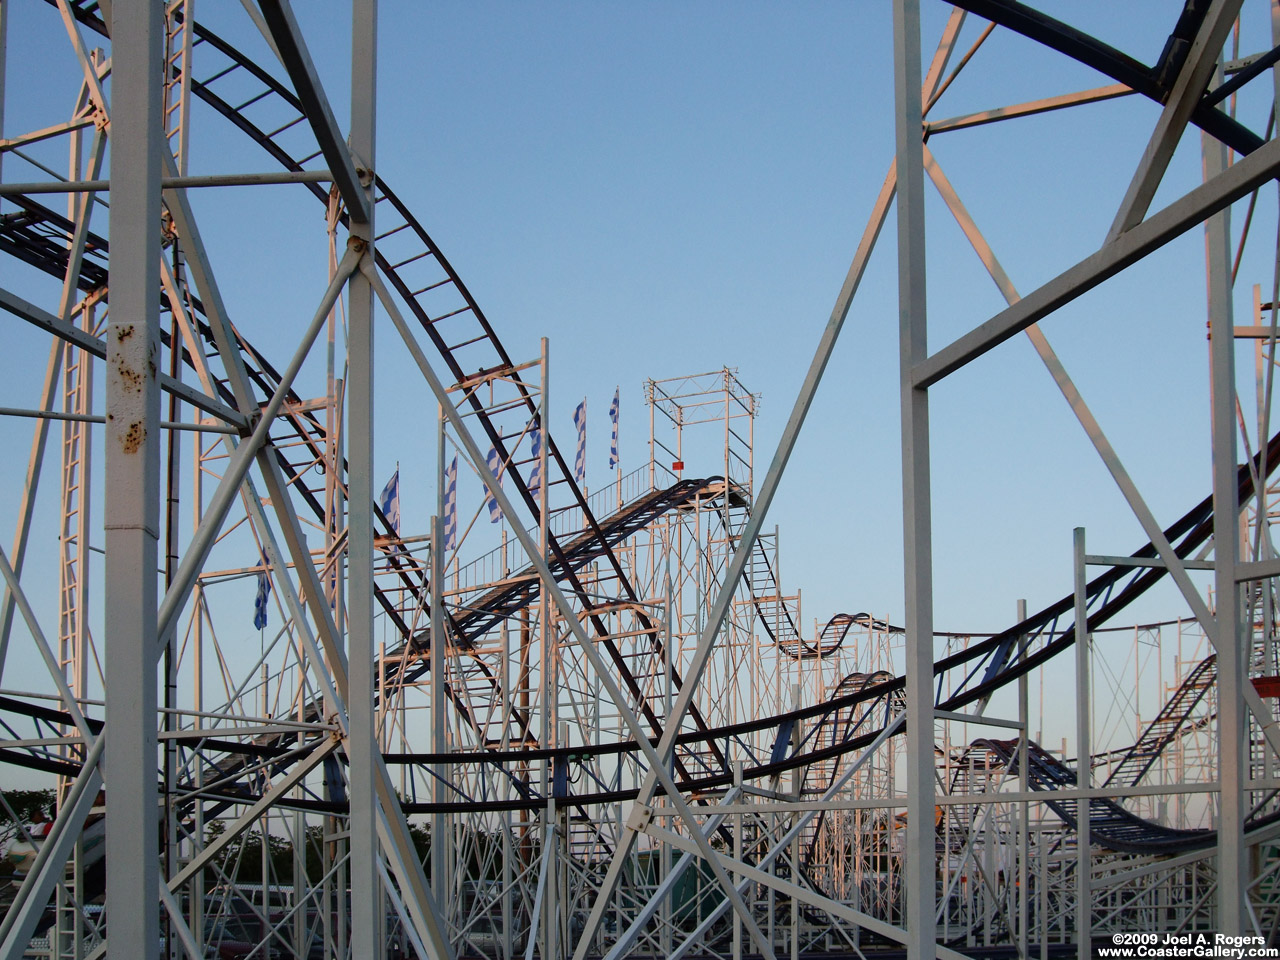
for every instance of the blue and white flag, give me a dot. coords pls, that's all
(451, 506)
(264, 591)
(495, 467)
(580, 456)
(390, 501)
(613, 418)
(535, 475)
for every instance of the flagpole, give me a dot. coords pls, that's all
(616, 450)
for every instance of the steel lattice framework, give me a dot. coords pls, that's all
(605, 731)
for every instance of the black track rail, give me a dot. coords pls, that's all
(506, 600)
(36, 235)
(1155, 83)
(1110, 825)
(842, 726)
(1167, 726)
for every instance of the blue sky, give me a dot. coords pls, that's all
(664, 189)
(670, 188)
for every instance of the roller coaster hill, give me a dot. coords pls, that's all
(553, 723)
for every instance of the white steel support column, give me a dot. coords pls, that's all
(1024, 808)
(439, 742)
(1181, 102)
(132, 457)
(1084, 752)
(4, 58)
(1232, 753)
(362, 747)
(917, 544)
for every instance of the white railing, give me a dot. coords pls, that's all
(492, 566)
(605, 502)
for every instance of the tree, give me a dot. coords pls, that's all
(25, 803)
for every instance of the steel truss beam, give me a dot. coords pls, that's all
(228, 490)
(1187, 88)
(75, 257)
(97, 347)
(1180, 216)
(1148, 81)
(1208, 204)
(742, 553)
(1176, 567)
(777, 848)
(32, 897)
(791, 432)
(392, 826)
(292, 50)
(835, 908)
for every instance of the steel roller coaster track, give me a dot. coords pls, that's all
(985, 667)
(471, 350)
(444, 308)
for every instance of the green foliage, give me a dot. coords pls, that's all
(241, 861)
(26, 802)
(421, 838)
